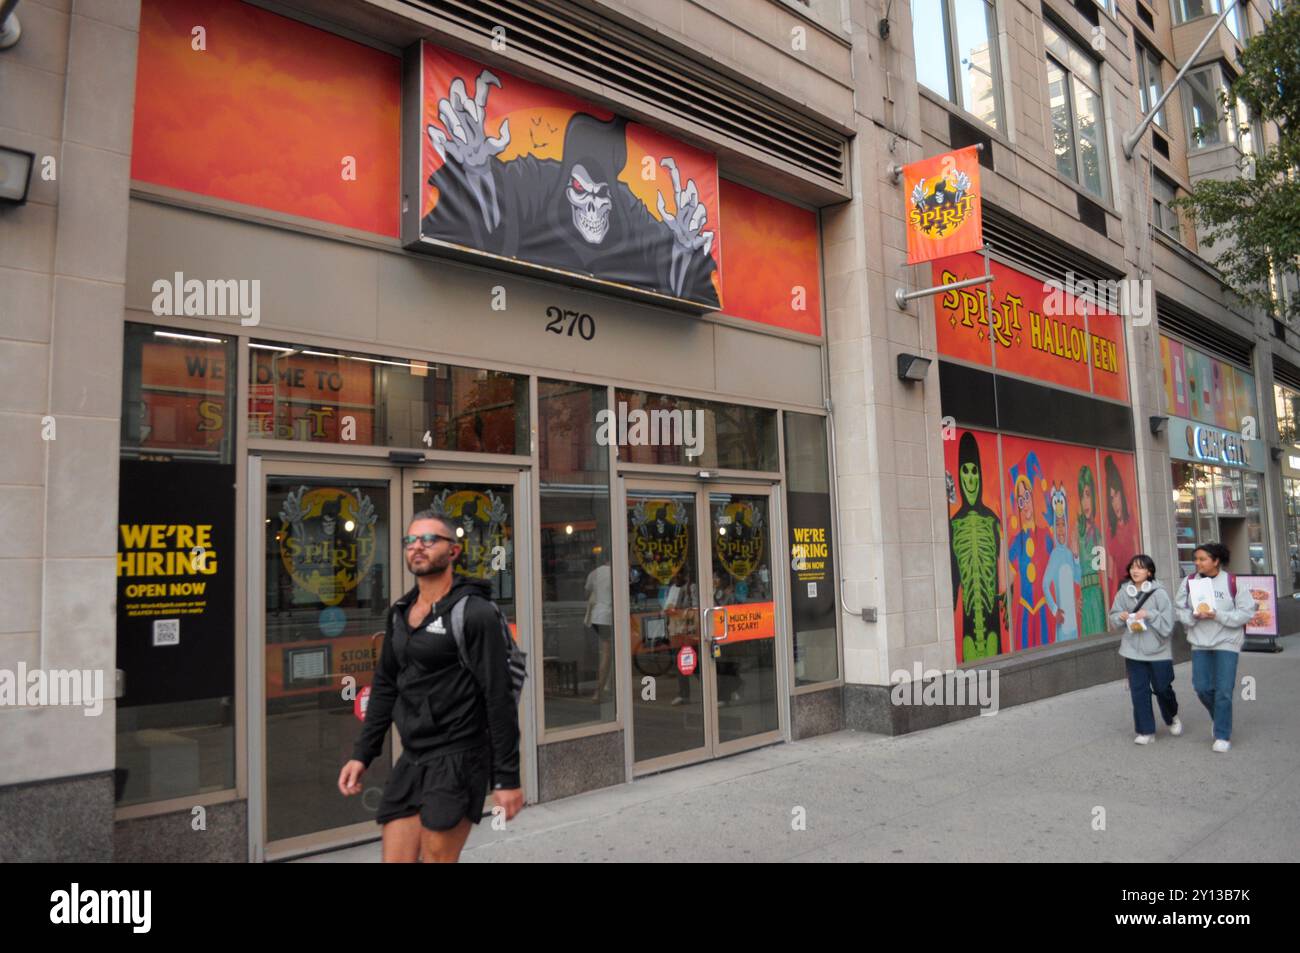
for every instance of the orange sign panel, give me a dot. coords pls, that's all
(751, 620)
(943, 205)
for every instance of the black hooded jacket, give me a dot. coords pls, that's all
(437, 704)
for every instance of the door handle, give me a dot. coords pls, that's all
(726, 624)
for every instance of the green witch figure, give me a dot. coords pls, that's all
(1094, 601)
(976, 548)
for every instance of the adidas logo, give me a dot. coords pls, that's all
(436, 626)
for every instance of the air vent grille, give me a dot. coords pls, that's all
(1176, 319)
(574, 39)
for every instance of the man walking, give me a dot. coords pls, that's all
(458, 723)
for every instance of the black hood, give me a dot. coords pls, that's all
(466, 586)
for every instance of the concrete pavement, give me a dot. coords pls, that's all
(1022, 785)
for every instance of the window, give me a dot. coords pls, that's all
(1150, 85)
(1163, 216)
(322, 396)
(812, 572)
(578, 671)
(682, 431)
(1074, 95)
(1287, 402)
(969, 53)
(1185, 10)
(1204, 86)
(175, 728)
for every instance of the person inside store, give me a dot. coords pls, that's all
(1143, 610)
(600, 621)
(452, 701)
(1216, 630)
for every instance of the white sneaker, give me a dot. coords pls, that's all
(679, 700)
(1176, 728)
(1221, 745)
(1144, 739)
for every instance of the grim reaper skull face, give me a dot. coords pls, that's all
(591, 204)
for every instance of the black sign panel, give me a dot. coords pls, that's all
(812, 567)
(176, 581)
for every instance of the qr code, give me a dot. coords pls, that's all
(166, 632)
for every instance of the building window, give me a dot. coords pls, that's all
(1163, 216)
(1287, 403)
(812, 573)
(1204, 87)
(1291, 522)
(969, 29)
(317, 395)
(682, 431)
(175, 567)
(1150, 85)
(1074, 94)
(578, 671)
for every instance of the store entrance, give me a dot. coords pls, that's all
(331, 562)
(701, 622)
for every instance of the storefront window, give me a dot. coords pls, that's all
(578, 672)
(812, 568)
(1219, 504)
(1291, 522)
(175, 567)
(319, 396)
(659, 428)
(1286, 402)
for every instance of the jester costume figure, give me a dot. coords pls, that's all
(1028, 544)
(1094, 602)
(976, 544)
(1062, 573)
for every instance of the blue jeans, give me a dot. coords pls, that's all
(1144, 680)
(1214, 676)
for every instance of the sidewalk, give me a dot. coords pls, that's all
(1018, 786)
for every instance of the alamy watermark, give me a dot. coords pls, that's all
(655, 428)
(213, 298)
(976, 686)
(54, 687)
(1130, 298)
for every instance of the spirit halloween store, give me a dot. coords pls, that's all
(630, 489)
(1039, 461)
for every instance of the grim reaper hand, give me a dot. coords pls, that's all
(464, 142)
(686, 226)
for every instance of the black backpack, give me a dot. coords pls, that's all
(515, 657)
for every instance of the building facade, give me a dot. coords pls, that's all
(303, 269)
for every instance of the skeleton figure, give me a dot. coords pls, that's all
(572, 214)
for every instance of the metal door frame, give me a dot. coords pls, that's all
(401, 478)
(641, 482)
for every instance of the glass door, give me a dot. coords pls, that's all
(328, 547)
(742, 620)
(701, 622)
(484, 508)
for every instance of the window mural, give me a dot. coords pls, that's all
(1038, 532)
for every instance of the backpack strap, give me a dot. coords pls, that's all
(1145, 596)
(1232, 587)
(458, 635)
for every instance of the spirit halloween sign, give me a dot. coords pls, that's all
(1037, 330)
(943, 213)
(175, 581)
(660, 537)
(515, 170)
(327, 540)
(738, 538)
(482, 522)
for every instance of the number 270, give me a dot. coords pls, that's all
(585, 323)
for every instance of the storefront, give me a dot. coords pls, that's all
(1039, 458)
(1286, 398)
(644, 484)
(1219, 468)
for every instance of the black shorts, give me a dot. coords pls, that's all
(442, 789)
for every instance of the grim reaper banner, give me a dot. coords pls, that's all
(518, 171)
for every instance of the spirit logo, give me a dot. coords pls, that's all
(738, 538)
(327, 540)
(660, 537)
(482, 522)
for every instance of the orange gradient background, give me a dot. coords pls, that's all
(266, 113)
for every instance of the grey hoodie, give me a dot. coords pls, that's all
(1156, 643)
(1227, 630)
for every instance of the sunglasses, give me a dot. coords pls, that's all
(428, 539)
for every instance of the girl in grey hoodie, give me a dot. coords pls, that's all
(1216, 633)
(1145, 612)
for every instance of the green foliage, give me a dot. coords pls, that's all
(1255, 218)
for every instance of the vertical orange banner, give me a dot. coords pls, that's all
(943, 205)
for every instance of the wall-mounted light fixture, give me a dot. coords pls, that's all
(1158, 424)
(10, 29)
(912, 367)
(15, 174)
